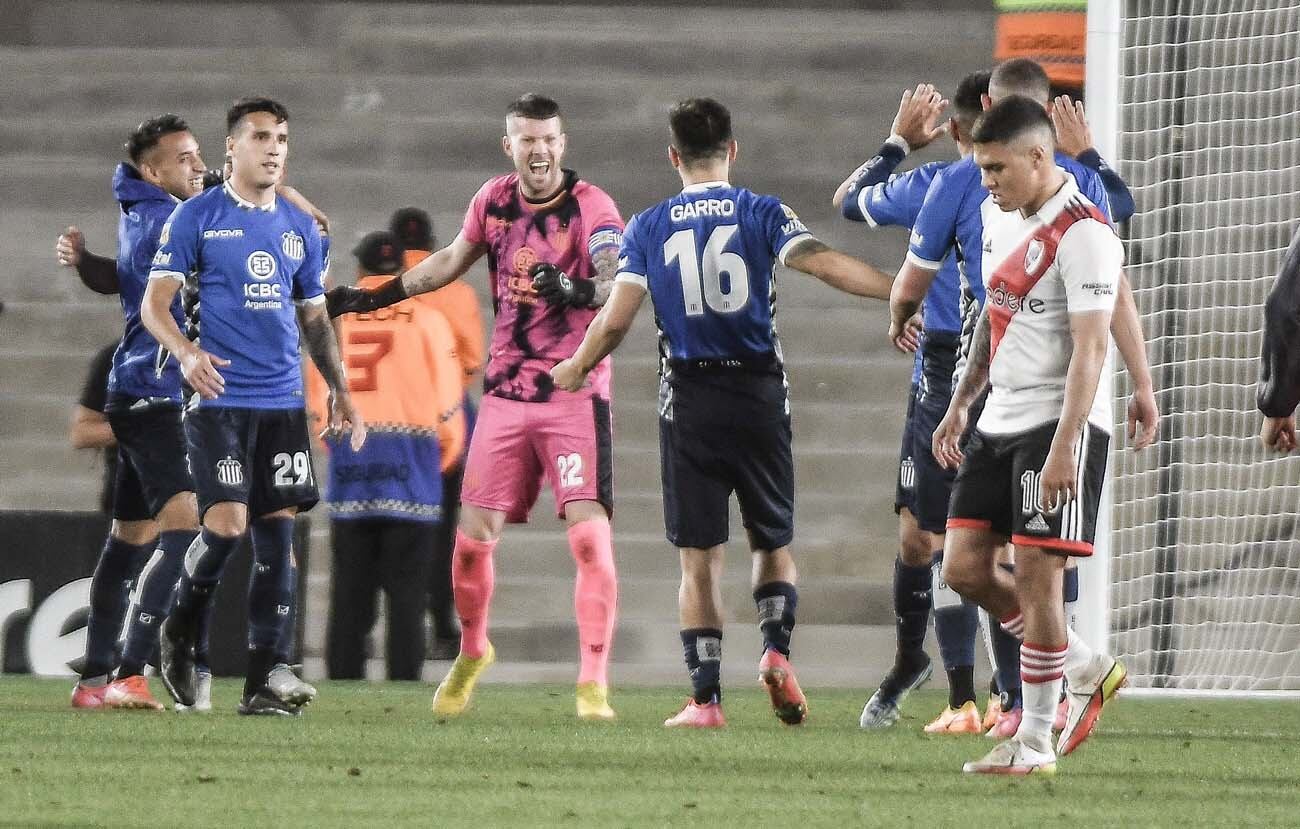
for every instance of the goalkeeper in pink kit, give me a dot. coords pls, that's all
(552, 245)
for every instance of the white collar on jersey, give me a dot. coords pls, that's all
(701, 186)
(1052, 207)
(244, 203)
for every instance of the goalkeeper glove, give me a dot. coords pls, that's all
(348, 299)
(558, 288)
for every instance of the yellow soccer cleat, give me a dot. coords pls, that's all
(964, 720)
(452, 696)
(992, 713)
(593, 702)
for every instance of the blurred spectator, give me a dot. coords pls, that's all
(90, 429)
(1052, 32)
(386, 500)
(459, 305)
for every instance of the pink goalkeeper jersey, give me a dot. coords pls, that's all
(530, 336)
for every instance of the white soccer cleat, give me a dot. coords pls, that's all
(285, 684)
(1013, 757)
(1104, 678)
(202, 694)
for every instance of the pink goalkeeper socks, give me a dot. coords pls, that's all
(595, 596)
(472, 580)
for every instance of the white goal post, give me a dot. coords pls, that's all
(1197, 579)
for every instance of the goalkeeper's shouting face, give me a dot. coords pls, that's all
(535, 141)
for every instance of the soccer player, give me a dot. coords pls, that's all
(458, 304)
(1033, 470)
(951, 220)
(707, 256)
(246, 258)
(153, 495)
(874, 196)
(552, 241)
(1279, 363)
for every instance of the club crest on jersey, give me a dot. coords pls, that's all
(525, 258)
(292, 245)
(1033, 256)
(261, 265)
(230, 472)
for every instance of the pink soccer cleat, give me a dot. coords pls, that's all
(697, 715)
(1008, 723)
(88, 696)
(777, 676)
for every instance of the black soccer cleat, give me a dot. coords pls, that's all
(176, 663)
(266, 704)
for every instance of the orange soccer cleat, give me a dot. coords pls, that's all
(697, 715)
(964, 720)
(88, 696)
(992, 713)
(776, 674)
(131, 693)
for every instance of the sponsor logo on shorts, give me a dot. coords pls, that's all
(261, 265)
(230, 472)
(293, 245)
(1037, 525)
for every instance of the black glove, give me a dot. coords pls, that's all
(558, 288)
(348, 299)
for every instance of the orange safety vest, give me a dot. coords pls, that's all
(459, 305)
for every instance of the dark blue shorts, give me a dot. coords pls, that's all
(723, 433)
(923, 486)
(257, 457)
(151, 467)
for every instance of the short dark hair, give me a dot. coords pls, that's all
(1010, 118)
(247, 106)
(701, 129)
(534, 107)
(147, 135)
(413, 228)
(968, 102)
(1022, 76)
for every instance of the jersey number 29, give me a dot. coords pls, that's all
(712, 265)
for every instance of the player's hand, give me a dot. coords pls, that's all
(946, 442)
(1072, 133)
(349, 299)
(568, 375)
(1056, 481)
(906, 336)
(918, 114)
(1143, 418)
(200, 371)
(344, 417)
(1278, 434)
(558, 288)
(70, 246)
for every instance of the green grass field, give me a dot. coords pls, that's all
(372, 754)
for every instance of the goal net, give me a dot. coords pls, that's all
(1205, 567)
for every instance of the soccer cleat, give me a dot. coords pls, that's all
(266, 704)
(992, 713)
(1007, 725)
(88, 696)
(176, 664)
(454, 691)
(882, 710)
(285, 684)
(1013, 757)
(697, 715)
(202, 695)
(776, 674)
(131, 693)
(1086, 701)
(593, 702)
(964, 720)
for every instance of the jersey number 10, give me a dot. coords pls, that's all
(716, 261)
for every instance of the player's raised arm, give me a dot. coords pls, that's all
(1278, 391)
(441, 268)
(1074, 138)
(913, 128)
(98, 273)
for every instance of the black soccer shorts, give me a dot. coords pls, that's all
(151, 467)
(258, 457)
(727, 432)
(997, 490)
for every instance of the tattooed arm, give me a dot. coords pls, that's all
(322, 345)
(605, 265)
(974, 379)
(441, 268)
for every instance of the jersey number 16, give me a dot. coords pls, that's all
(715, 262)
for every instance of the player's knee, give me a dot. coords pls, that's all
(962, 577)
(181, 512)
(135, 533)
(915, 548)
(481, 524)
(229, 520)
